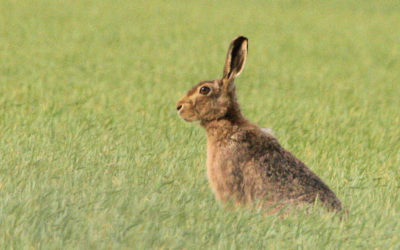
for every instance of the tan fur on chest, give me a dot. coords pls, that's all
(215, 172)
(224, 176)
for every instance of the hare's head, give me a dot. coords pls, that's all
(211, 100)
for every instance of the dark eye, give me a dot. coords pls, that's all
(204, 90)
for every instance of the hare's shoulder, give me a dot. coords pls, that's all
(255, 138)
(266, 153)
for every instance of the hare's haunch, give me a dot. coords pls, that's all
(245, 163)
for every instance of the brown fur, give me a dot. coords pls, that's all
(245, 164)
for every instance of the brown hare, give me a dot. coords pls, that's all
(246, 164)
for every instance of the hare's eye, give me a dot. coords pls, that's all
(204, 90)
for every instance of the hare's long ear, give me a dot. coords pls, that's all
(236, 57)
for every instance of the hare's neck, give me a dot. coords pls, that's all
(227, 125)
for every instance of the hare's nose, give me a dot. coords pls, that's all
(178, 107)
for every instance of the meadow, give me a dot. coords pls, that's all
(94, 156)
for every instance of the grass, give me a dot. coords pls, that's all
(93, 155)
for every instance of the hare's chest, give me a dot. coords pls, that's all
(220, 169)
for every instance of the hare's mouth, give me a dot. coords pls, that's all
(186, 118)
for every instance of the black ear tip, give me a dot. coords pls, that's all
(239, 40)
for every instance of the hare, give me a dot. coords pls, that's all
(246, 164)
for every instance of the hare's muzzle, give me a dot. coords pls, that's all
(186, 111)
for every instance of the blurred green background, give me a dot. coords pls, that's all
(93, 155)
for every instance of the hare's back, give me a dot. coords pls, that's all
(295, 181)
(280, 172)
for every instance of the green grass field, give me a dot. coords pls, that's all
(94, 156)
